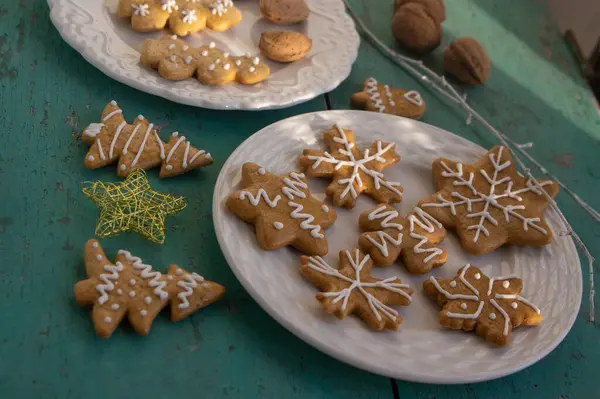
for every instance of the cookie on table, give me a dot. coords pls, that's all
(388, 236)
(352, 289)
(284, 12)
(378, 97)
(353, 172)
(490, 203)
(128, 287)
(282, 210)
(284, 45)
(222, 15)
(490, 306)
(189, 17)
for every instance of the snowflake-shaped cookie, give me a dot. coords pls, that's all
(490, 306)
(282, 210)
(388, 235)
(353, 172)
(490, 203)
(351, 289)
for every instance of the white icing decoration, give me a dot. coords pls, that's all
(188, 60)
(141, 149)
(140, 117)
(140, 9)
(378, 177)
(169, 277)
(453, 284)
(505, 284)
(261, 194)
(132, 282)
(308, 218)
(169, 167)
(212, 45)
(414, 97)
(171, 46)
(100, 151)
(160, 145)
(373, 93)
(143, 312)
(93, 129)
(91, 158)
(115, 306)
(476, 297)
(172, 58)
(251, 69)
(98, 257)
(225, 55)
(261, 171)
(107, 319)
(491, 198)
(226, 67)
(256, 60)
(427, 223)
(218, 61)
(179, 272)
(147, 300)
(107, 279)
(377, 307)
(387, 223)
(135, 129)
(95, 245)
(211, 67)
(132, 293)
(113, 103)
(173, 37)
(388, 94)
(324, 208)
(189, 16)
(123, 167)
(146, 272)
(188, 284)
(463, 306)
(185, 47)
(278, 225)
(119, 292)
(238, 62)
(169, 6)
(477, 276)
(114, 140)
(219, 7)
(204, 53)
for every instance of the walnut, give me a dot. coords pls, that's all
(466, 59)
(417, 24)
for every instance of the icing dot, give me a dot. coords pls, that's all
(107, 319)
(211, 67)
(132, 282)
(169, 167)
(505, 284)
(148, 300)
(175, 134)
(393, 103)
(477, 276)
(119, 292)
(140, 117)
(132, 293)
(208, 156)
(212, 45)
(247, 55)
(185, 48)
(261, 171)
(256, 60)
(452, 284)
(218, 61)
(493, 316)
(169, 277)
(325, 208)
(278, 225)
(143, 312)
(172, 58)
(514, 305)
(91, 158)
(225, 55)
(115, 306)
(463, 306)
(238, 62)
(99, 257)
(226, 67)
(179, 272)
(95, 245)
(188, 59)
(252, 69)
(173, 37)
(171, 46)
(113, 103)
(205, 285)
(204, 53)
(122, 167)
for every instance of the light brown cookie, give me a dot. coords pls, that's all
(282, 210)
(377, 97)
(389, 235)
(175, 60)
(489, 204)
(466, 59)
(146, 15)
(352, 289)
(284, 12)
(353, 172)
(284, 45)
(138, 146)
(128, 287)
(223, 15)
(189, 17)
(490, 306)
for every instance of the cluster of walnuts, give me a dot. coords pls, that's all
(417, 24)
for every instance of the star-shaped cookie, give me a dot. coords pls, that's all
(352, 289)
(282, 210)
(490, 203)
(353, 172)
(130, 287)
(132, 205)
(490, 306)
(382, 98)
(389, 235)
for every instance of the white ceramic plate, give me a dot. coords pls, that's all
(422, 350)
(106, 41)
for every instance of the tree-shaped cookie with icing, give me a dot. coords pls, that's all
(382, 98)
(352, 289)
(388, 236)
(490, 306)
(176, 60)
(128, 287)
(353, 172)
(490, 203)
(138, 146)
(282, 210)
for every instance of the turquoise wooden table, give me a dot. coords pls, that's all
(234, 349)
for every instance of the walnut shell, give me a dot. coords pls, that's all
(435, 8)
(466, 59)
(415, 28)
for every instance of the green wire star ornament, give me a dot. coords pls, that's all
(132, 205)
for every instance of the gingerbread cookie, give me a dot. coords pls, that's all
(175, 60)
(382, 98)
(490, 203)
(130, 287)
(284, 45)
(353, 172)
(284, 12)
(388, 235)
(138, 146)
(352, 289)
(490, 306)
(282, 210)
(182, 16)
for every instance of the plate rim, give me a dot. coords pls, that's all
(88, 55)
(340, 355)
